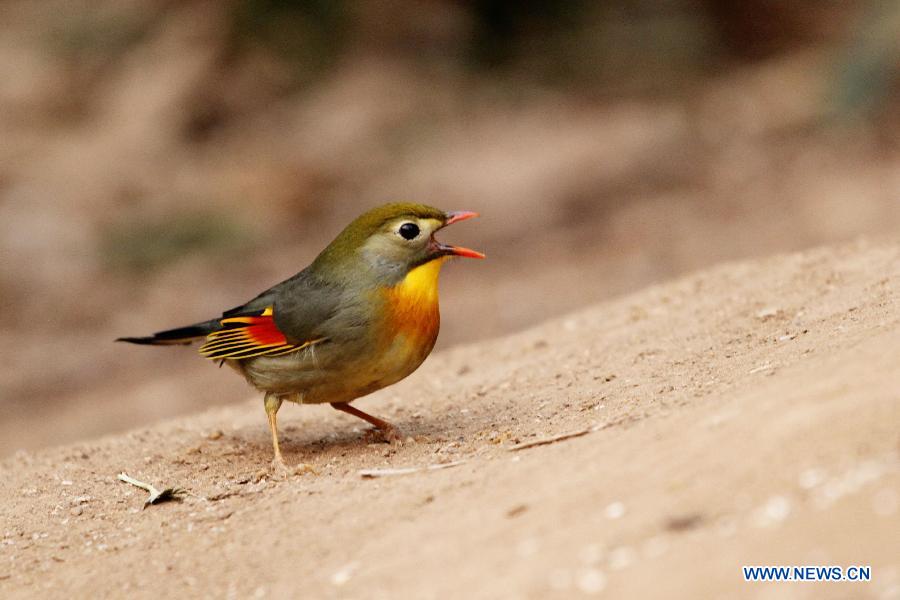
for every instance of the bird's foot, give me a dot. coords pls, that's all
(388, 434)
(303, 469)
(278, 469)
(281, 470)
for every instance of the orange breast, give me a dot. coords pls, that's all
(412, 306)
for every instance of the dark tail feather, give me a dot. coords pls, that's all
(182, 335)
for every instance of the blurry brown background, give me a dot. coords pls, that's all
(161, 161)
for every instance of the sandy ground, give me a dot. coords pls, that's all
(744, 415)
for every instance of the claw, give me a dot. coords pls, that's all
(303, 469)
(389, 435)
(280, 470)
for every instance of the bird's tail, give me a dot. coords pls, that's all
(181, 335)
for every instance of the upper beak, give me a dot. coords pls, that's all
(455, 217)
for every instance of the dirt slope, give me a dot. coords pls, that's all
(744, 415)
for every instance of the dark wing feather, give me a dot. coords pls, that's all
(181, 335)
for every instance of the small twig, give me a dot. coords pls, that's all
(373, 473)
(562, 436)
(156, 496)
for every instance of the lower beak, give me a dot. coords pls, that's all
(450, 250)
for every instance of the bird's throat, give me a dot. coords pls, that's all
(421, 283)
(413, 303)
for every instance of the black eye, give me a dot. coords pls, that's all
(409, 231)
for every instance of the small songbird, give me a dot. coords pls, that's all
(362, 316)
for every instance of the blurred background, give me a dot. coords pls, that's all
(163, 160)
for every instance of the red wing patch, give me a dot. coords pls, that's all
(247, 337)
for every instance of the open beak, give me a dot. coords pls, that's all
(447, 249)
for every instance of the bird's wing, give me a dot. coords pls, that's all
(281, 320)
(248, 335)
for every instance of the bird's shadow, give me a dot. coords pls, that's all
(311, 442)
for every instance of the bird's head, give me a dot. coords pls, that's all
(393, 239)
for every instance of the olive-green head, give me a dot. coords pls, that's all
(389, 241)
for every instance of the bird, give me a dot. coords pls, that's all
(362, 316)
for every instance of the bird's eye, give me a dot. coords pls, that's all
(409, 231)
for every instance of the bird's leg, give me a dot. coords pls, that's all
(273, 403)
(391, 433)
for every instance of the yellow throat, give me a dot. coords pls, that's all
(421, 284)
(414, 302)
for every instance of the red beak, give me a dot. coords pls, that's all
(455, 217)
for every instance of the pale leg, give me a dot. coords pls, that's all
(273, 403)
